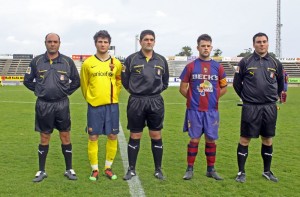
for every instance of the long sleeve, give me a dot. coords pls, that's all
(75, 84)
(280, 79)
(118, 79)
(238, 79)
(165, 78)
(84, 76)
(126, 73)
(29, 77)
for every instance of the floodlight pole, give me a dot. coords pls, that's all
(136, 42)
(278, 30)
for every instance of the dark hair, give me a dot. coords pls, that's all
(205, 37)
(102, 34)
(52, 33)
(147, 32)
(260, 34)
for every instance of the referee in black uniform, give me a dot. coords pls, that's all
(52, 77)
(145, 75)
(259, 83)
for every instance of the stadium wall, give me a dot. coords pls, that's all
(20, 62)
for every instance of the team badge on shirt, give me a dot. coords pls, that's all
(272, 75)
(206, 86)
(158, 72)
(158, 69)
(110, 74)
(236, 69)
(123, 68)
(62, 77)
(205, 70)
(111, 66)
(28, 70)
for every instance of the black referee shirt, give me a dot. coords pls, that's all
(144, 78)
(52, 81)
(259, 80)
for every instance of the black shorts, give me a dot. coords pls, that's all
(145, 110)
(258, 120)
(52, 115)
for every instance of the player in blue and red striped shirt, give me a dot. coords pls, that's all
(203, 82)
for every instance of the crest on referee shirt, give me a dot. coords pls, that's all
(123, 68)
(158, 69)
(236, 69)
(158, 72)
(28, 70)
(62, 77)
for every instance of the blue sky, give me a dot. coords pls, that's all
(177, 23)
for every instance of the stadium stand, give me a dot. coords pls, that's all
(13, 67)
(292, 66)
(176, 65)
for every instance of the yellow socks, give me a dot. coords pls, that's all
(93, 153)
(111, 151)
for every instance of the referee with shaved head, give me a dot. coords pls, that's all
(52, 77)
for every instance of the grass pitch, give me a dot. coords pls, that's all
(19, 161)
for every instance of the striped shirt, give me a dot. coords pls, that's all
(205, 79)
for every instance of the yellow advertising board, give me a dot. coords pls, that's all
(12, 78)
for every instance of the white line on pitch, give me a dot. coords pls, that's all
(134, 184)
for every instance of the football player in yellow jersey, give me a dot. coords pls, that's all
(100, 80)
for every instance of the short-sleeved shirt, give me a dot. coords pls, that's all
(205, 78)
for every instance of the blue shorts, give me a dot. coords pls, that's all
(103, 120)
(196, 123)
(285, 87)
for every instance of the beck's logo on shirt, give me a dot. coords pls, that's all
(205, 77)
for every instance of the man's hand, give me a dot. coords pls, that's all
(283, 97)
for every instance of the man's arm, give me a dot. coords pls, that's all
(84, 79)
(125, 75)
(184, 87)
(222, 81)
(118, 76)
(238, 80)
(75, 84)
(165, 77)
(30, 76)
(223, 91)
(280, 79)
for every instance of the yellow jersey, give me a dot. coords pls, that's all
(100, 81)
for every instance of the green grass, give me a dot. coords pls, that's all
(19, 162)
